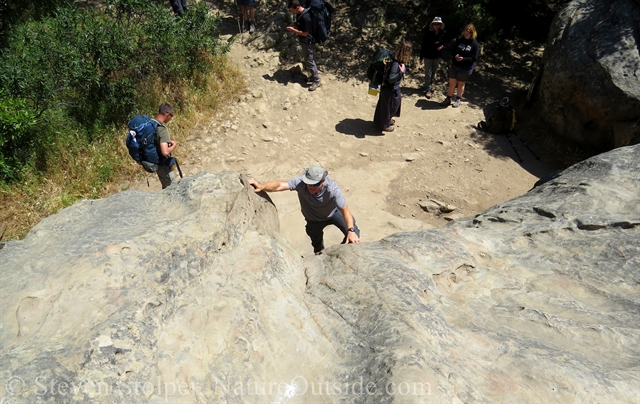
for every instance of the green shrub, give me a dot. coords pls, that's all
(17, 139)
(88, 70)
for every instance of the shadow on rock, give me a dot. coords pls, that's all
(358, 127)
(514, 146)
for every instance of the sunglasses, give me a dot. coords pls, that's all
(318, 184)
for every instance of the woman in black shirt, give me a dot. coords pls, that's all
(465, 53)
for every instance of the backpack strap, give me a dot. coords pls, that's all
(310, 33)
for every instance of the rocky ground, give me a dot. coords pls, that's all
(434, 167)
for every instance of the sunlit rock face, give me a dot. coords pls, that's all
(589, 90)
(190, 294)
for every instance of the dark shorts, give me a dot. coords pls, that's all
(459, 75)
(246, 2)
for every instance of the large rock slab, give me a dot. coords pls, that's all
(191, 295)
(181, 295)
(534, 300)
(589, 91)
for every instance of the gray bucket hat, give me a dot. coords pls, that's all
(313, 175)
(437, 20)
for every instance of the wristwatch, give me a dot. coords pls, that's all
(353, 229)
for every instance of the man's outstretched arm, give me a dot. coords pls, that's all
(271, 186)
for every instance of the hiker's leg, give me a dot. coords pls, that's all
(165, 175)
(184, 5)
(309, 50)
(251, 10)
(315, 231)
(452, 87)
(243, 12)
(461, 77)
(429, 71)
(452, 81)
(427, 75)
(460, 87)
(434, 70)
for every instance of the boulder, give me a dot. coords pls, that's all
(190, 294)
(589, 88)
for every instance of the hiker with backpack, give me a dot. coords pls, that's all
(304, 28)
(150, 145)
(432, 43)
(465, 53)
(321, 202)
(165, 144)
(390, 99)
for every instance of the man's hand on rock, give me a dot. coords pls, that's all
(256, 186)
(352, 237)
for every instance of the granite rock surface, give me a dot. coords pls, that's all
(191, 295)
(589, 90)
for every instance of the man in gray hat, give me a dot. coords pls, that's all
(321, 203)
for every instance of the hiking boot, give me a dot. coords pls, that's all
(456, 103)
(446, 102)
(393, 121)
(428, 94)
(252, 27)
(389, 129)
(314, 86)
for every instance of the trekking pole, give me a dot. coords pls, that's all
(526, 145)
(178, 167)
(513, 147)
(240, 21)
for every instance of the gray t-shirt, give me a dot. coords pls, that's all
(323, 205)
(162, 134)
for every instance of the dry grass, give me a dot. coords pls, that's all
(97, 171)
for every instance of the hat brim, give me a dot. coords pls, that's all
(310, 181)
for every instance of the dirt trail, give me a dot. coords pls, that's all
(279, 128)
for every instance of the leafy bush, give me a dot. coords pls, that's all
(16, 135)
(86, 70)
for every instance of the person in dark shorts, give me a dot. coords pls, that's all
(248, 11)
(465, 53)
(390, 99)
(321, 202)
